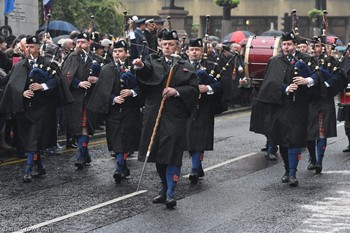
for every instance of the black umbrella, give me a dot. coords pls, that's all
(58, 27)
(272, 32)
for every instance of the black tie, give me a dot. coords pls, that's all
(31, 64)
(291, 59)
(83, 57)
(169, 62)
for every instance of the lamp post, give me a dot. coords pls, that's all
(227, 6)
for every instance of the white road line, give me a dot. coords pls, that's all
(345, 172)
(340, 124)
(224, 163)
(328, 215)
(31, 228)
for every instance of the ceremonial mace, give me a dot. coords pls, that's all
(155, 128)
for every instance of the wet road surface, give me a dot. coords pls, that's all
(241, 192)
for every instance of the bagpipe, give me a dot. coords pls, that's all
(212, 76)
(128, 80)
(205, 78)
(207, 31)
(126, 77)
(208, 77)
(46, 35)
(41, 73)
(95, 67)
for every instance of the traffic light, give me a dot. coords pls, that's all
(286, 23)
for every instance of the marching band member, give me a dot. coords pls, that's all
(322, 117)
(200, 126)
(32, 94)
(81, 74)
(169, 142)
(344, 109)
(288, 98)
(117, 95)
(303, 46)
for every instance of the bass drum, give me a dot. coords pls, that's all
(344, 105)
(259, 50)
(344, 96)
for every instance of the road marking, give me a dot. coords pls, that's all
(37, 226)
(340, 124)
(224, 163)
(64, 151)
(329, 215)
(344, 172)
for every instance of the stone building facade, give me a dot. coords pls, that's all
(24, 19)
(256, 16)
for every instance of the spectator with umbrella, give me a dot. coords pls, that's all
(236, 36)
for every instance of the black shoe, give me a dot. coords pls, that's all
(87, 160)
(194, 176)
(170, 202)
(79, 164)
(285, 178)
(271, 157)
(159, 199)
(118, 177)
(311, 166)
(39, 173)
(293, 182)
(318, 168)
(86, 157)
(126, 172)
(201, 172)
(27, 178)
(347, 149)
(71, 145)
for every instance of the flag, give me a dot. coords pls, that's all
(9, 6)
(47, 8)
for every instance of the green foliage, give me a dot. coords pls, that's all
(78, 13)
(314, 13)
(227, 3)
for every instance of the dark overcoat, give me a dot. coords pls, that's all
(170, 140)
(323, 103)
(287, 120)
(200, 126)
(74, 70)
(35, 117)
(123, 123)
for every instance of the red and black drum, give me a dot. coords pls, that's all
(259, 50)
(344, 105)
(344, 96)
